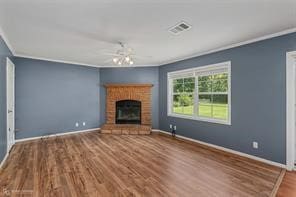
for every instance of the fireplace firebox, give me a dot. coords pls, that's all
(128, 112)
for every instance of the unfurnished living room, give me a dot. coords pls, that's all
(147, 98)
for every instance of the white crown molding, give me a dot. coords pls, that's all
(128, 66)
(80, 63)
(56, 60)
(57, 134)
(225, 149)
(281, 33)
(4, 37)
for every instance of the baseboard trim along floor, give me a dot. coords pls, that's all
(3, 161)
(146, 165)
(224, 149)
(167, 133)
(57, 134)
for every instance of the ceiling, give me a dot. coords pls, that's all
(82, 31)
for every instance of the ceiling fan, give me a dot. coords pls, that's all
(123, 56)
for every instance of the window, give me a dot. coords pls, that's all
(201, 93)
(212, 96)
(183, 94)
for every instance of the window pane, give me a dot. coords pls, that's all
(219, 85)
(187, 103)
(204, 78)
(188, 110)
(178, 81)
(220, 106)
(220, 111)
(205, 99)
(220, 76)
(205, 110)
(189, 80)
(178, 88)
(220, 99)
(177, 107)
(205, 106)
(204, 86)
(189, 87)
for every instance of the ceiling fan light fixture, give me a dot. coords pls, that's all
(123, 56)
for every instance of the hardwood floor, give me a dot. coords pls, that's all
(93, 164)
(288, 186)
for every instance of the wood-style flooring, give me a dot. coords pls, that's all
(288, 185)
(94, 164)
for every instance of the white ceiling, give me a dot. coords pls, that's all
(81, 31)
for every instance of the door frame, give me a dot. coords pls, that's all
(290, 109)
(8, 61)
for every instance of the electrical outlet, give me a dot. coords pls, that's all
(76, 124)
(83, 123)
(171, 126)
(175, 127)
(255, 145)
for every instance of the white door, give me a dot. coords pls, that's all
(10, 68)
(295, 114)
(294, 66)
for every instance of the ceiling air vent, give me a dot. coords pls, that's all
(180, 27)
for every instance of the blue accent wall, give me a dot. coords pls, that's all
(51, 97)
(258, 99)
(4, 53)
(131, 75)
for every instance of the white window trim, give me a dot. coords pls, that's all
(224, 65)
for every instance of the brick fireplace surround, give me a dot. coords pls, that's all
(118, 92)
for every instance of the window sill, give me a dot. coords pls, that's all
(225, 122)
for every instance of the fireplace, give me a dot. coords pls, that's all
(128, 112)
(128, 109)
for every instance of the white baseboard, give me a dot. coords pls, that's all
(6, 156)
(225, 149)
(55, 135)
(4, 159)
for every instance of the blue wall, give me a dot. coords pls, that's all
(258, 99)
(52, 97)
(4, 53)
(130, 75)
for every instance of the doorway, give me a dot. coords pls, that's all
(290, 110)
(10, 100)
